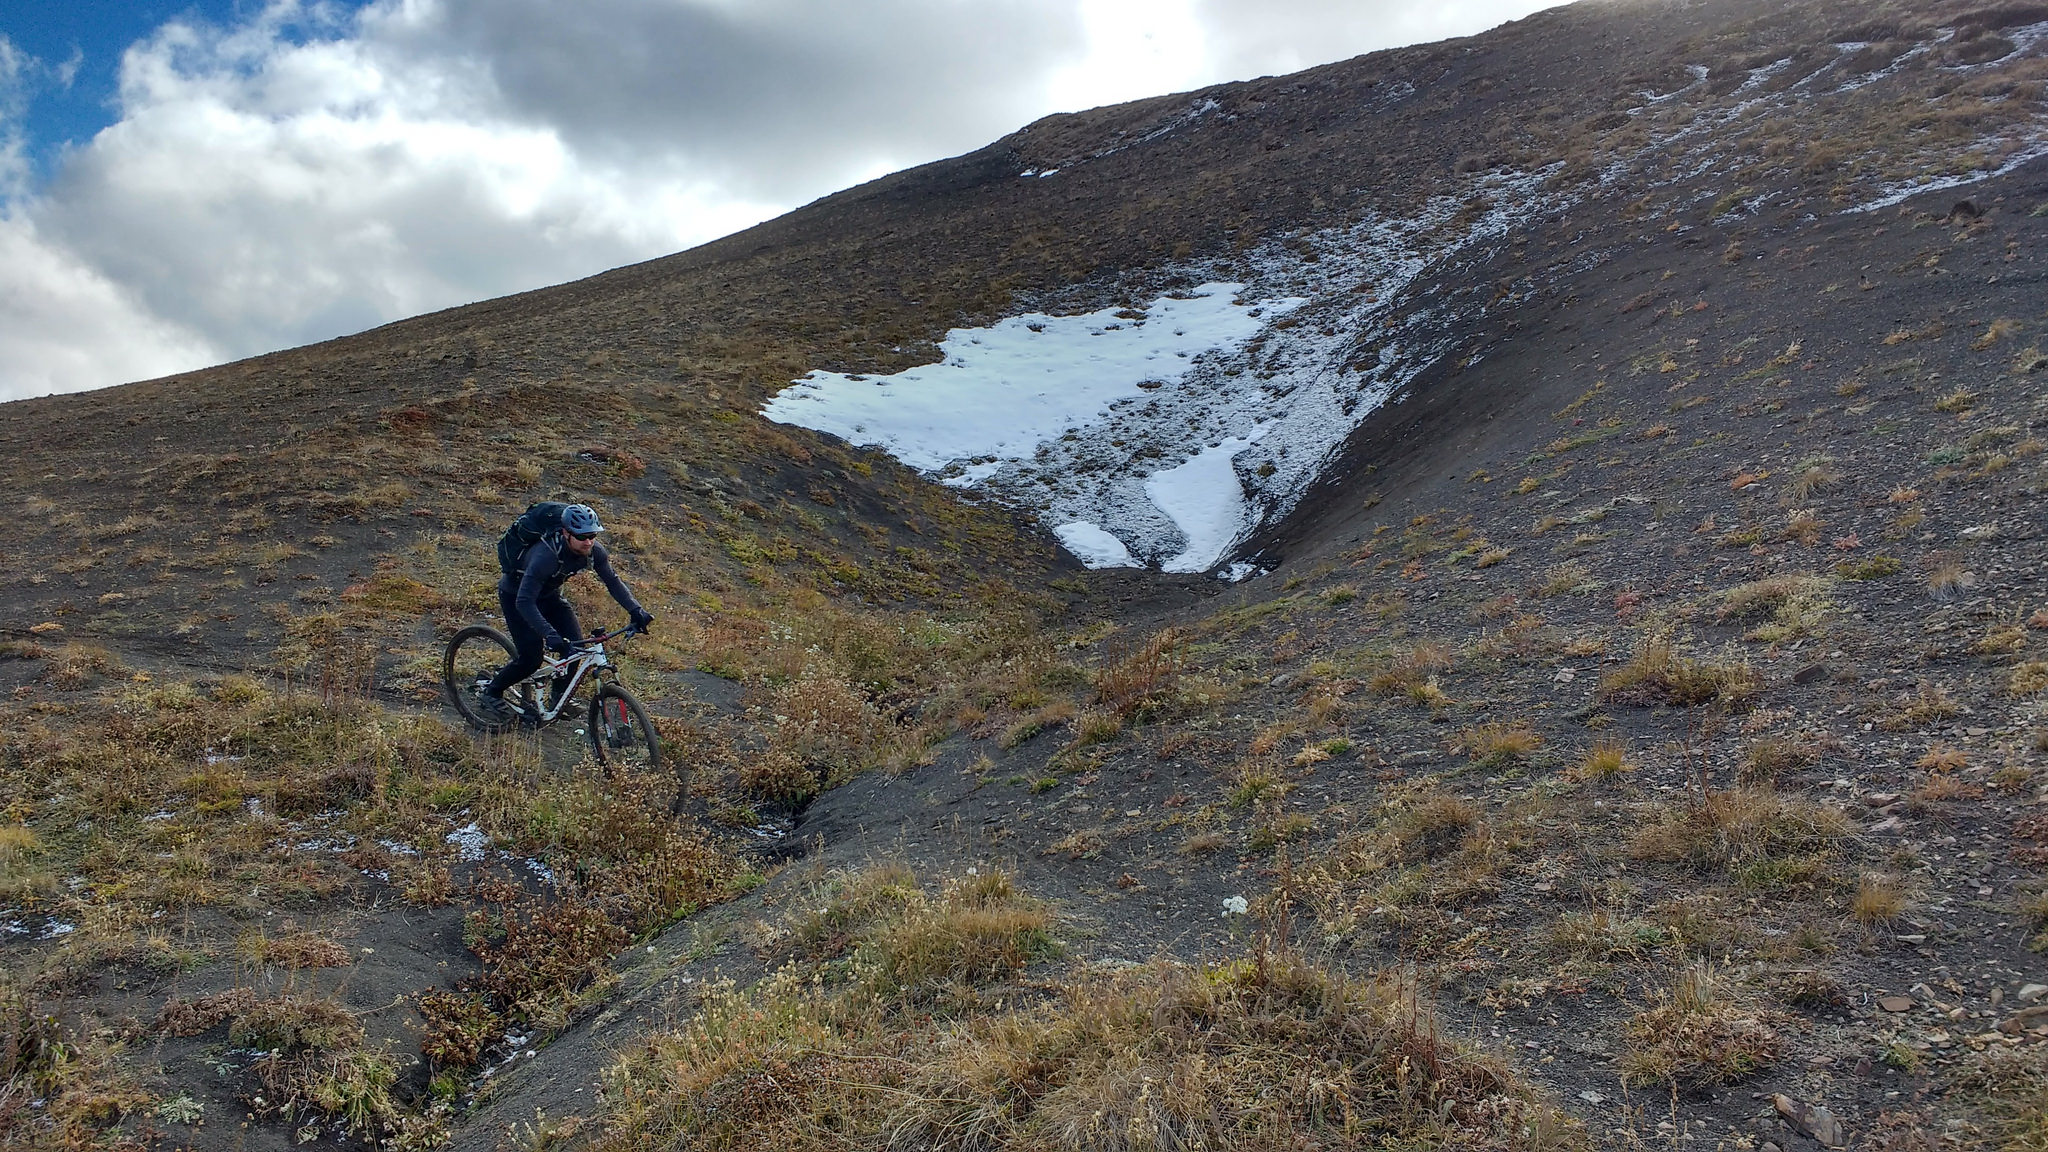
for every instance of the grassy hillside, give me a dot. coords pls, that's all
(1640, 721)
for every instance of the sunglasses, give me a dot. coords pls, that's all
(582, 536)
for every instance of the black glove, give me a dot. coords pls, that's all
(643, 619)
(560, 645)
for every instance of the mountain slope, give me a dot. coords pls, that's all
(1644, 671)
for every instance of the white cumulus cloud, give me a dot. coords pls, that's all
(309, 172)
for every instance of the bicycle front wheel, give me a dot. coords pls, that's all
(473, 657)
(622, 737)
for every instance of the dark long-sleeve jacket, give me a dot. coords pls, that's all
(550, 562)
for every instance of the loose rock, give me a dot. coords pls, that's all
(1811, 1120)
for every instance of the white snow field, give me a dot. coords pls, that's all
(994, 409)
(1000, 392)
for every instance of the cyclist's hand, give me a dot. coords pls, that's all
(643, 620)
(560, 645)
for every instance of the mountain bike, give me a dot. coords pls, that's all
(621, 732)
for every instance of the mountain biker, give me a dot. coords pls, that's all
(530, 595)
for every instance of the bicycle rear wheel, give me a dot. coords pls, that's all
(622, 737)
(473, 657)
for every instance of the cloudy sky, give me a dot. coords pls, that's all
(187, 183)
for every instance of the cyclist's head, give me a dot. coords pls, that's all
(580, 522)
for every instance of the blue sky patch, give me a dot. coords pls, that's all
(69, 94)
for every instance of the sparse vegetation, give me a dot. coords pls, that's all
(2028, 679)
(1660, 674)
(1947, 577)
(1255, 1032)
(1698, 713)
(1879, 899)
(1702, 1029)
(1784, 607)
(1927, 703)
(1740, 826)
(1605, 760)
(1875, 567)
(1770, 759)
(1501, 744)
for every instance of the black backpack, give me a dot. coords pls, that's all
(537, 521)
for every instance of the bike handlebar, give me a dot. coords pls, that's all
(599, 637)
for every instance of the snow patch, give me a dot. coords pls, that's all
(469, 841)
(1093, 546)
(999, 392)
(1000, 396)
(1205, 499)
(1893, 194)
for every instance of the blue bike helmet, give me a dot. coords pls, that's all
(579, 520)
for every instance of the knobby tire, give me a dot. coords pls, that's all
(476, 649)
(623, 738)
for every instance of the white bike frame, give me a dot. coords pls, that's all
(582, 663)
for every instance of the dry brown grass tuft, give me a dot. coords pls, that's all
(1525, 638)
(1944, 758)
(1500, 744)
(1263, 1054)
(912, 945)
(1880, 899)
(1768, 760)
(979, 929)
(1812, 476)
(1097, 728)
(313, 1055)
(290, 1024)
(778, 778)
(1786, 607)
(1701, 1030)
(1740, 826)
(1413, 672)
(1948, 578)
(23, 650)
(1998, 330)
(1568, 579)
(193, 1016)
(1605, 760)
(1926, 704)
(75, 666)
(1134, 685)
(1802, 526)
(824, 723)
(1659, 674)
(1056, 713)
(2000, 640)
(22, 877)
(1430, 828)
(1602, 936)
(292, 950)
(2028, 679)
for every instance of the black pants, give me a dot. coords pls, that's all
(530, 645)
